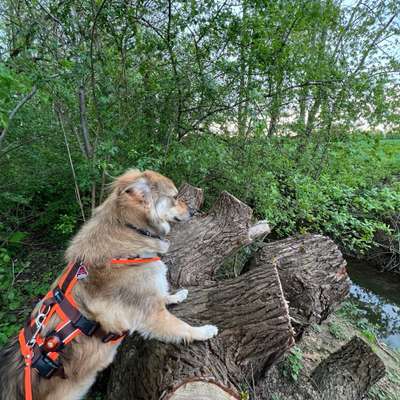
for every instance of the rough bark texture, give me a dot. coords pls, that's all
(251, 310)
(349, 373)
(254, 332)
(193, 196)
(313, 275)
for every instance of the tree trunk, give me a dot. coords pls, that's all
(250, 310)
(348, 373)
(200, 246)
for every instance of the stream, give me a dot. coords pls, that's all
(378, 295)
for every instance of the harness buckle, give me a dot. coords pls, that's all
(45, 366)
(52, 343)
(113, 337)
(86, 326)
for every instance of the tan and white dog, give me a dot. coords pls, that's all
(132, 221)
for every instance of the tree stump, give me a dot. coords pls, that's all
(348, 373)
(251, 310)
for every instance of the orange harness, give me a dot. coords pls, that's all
(43, 353)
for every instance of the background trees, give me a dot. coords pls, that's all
(207, 91)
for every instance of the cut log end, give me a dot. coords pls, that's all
(193, 196)
(260, 229)
(201, 390)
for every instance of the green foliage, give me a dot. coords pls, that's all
(66, 225)
(356, 316)
(10, 84)
(369, 335)
(343, 198)
(292, 364)
(380, 393)
(16, 291)
(337, 331)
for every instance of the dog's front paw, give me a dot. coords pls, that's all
(181, 295)
(205, 332)
(178, 297)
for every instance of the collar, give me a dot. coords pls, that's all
(143, 232)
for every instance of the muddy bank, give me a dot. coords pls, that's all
(385, 254)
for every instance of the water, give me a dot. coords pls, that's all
(378, 294)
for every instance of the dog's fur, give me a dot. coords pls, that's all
(119, 298)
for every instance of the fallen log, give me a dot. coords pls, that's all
(313, 274)
(255, 331)
(250, 310)
(200, 246)
(201, 389)
(348, 373)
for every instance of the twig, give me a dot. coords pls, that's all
(15, 110)
(77, 192)
(53, 17)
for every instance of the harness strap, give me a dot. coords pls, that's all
(43, 353)
(27, 354)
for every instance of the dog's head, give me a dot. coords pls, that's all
(148, 199)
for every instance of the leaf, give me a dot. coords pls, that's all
(17, 237)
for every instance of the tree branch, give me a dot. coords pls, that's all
(14, 112)
(84, 127)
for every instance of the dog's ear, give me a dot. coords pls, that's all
(139, 191)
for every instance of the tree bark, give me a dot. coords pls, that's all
(250, 311)
(348, 373)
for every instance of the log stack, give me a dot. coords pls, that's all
(286, 286)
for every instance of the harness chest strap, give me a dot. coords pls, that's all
(43, 353)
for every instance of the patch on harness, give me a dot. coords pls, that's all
(82, 273)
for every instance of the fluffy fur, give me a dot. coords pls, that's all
(120, 298)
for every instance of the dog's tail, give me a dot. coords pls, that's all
(11, 372)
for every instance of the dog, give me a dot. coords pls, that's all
(132, 221)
